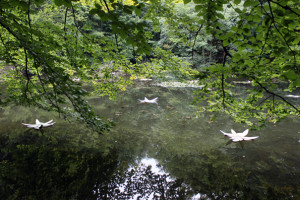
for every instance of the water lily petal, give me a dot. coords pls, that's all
(250, 138)
(243, 134)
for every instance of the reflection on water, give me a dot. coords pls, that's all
(145, 181)
(162, 151)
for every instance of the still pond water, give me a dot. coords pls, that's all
(162, 151)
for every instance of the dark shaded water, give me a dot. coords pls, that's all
(188, 154)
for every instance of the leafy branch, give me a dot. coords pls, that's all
(53, 84)
(276, 95)
(285, 7)
(273, 20)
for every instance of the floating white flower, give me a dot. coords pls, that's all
(38, 125)
(149, 100)
(238, 137)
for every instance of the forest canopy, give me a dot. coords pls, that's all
(51, 50)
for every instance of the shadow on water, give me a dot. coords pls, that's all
(161, 151)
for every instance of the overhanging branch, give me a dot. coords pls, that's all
(276, 95)
(285, 7)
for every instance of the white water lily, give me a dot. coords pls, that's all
(149, 100)
(38, 125)
(238, 137)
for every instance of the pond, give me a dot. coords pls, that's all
(155, 151)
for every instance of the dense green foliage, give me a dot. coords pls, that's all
(47, 46)
(262, 46)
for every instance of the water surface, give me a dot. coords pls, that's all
(190, 157)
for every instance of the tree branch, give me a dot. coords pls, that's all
(273, 19)
(106, 5)
(26, 73)
(197, 32)
(285, 7)
(266, 38)
(76, 23)
(276, 95)
(28, 14)
(65, 22)
(223, 82)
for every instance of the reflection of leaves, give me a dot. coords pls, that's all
(217, 176)
(143, 183)
(188, 150)
(35, 167)
(32, 171)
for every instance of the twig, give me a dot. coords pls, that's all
(116, 37)
(265, 99)
(44, 89)
(197, 32)
(76, 24)
(266, 38)
(65, 23)
(26, 73)
(273, 19)
(223, 86)
(28, 14)
(276, 95)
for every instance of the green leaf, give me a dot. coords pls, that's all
(137, 11)
(225, 43)
(237, 1)
(297, 83)
(93, 11)
(58, 2)
(197, 1)
(220, 16)
(186, 1)
(127, 9)
(279, 13)
(283, 49)
(198, 7)
(256, 18)
(248, 3)
(238, 10)
(290, 75)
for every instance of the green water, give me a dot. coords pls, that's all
(189, 155)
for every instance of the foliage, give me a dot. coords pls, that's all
(47, 47)
(263, 48)
(253, 42)
(39, 56)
